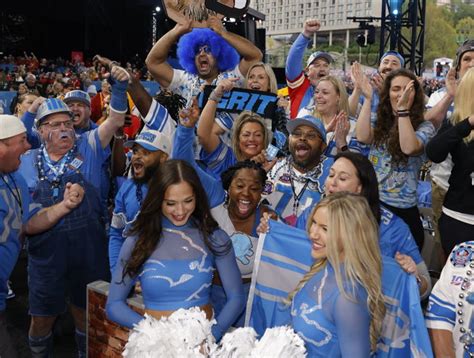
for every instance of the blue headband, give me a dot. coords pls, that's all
(396, 54)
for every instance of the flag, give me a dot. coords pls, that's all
(283, 257)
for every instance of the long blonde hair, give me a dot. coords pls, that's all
(463, 102)
(353, 231)
(272, 81)
(343, 104)
(243, 118)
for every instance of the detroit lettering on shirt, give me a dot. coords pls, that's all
(281, 193)
(90, 154)
(397, 184)
(11, 222)
(443, 311)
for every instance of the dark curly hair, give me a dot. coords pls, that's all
(148, 225)
(228, 175)
(385, 131)
(226, 56)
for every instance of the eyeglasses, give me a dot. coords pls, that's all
(308, 135)
(67, 124)
(204, 48)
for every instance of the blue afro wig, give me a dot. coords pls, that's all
(226, 56)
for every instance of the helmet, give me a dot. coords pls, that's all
(78, 96)
(51, 106)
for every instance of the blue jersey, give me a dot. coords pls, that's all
(13, 215)
(127, 205)
(178, 274)
(331, 324)
(395, 235)
(290, 193)
(219, 160)
(450, 306)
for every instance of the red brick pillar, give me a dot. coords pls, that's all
(105, 338)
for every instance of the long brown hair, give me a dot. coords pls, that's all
(386, 129)
(148, 224)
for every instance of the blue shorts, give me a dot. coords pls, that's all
(61, 264)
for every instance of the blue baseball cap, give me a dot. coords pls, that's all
(77, 96)
(151, 140)
(310, 121)
(319, 54)
(396, 54)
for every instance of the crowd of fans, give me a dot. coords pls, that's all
(172, 191)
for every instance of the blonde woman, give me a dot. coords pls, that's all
(338, 306)
(249, 138)
(456, 137)
(331, 105)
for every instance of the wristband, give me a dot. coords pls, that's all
(344, 148)
(403, 114)
(214, 96)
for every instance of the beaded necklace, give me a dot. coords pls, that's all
(467, 338)
(57, 169)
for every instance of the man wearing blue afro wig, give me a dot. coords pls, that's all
(205, 54)
(195, 48)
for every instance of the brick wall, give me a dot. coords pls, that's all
(105, 338)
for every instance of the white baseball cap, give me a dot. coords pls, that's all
(10, 126)
(151, 140)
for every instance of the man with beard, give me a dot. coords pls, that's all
(149, 150)
(297, 181)
(16, 215)
(390, 61)
(301, 82)
(206, 54)
(64, 259)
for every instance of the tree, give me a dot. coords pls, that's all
(465, 29)
(440, 35)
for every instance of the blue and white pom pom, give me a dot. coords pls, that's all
(184, 334)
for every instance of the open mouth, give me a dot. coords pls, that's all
(243, 206)
(203, 64)
(302, 150)
(76, 117)
(256, 86)
(178, 218)
(138, 168)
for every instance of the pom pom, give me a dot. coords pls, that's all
(186, 333)
(280, 342)
(238, 343)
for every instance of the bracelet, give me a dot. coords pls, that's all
(344, 148)
(123, 136)
(403, 113)
(214, 96)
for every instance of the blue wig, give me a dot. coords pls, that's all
(226, 56)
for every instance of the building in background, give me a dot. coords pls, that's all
(286, 17)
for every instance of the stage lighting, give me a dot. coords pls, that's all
(396, 7)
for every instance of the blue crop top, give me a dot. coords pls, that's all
(178, 274)
(331, 324)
